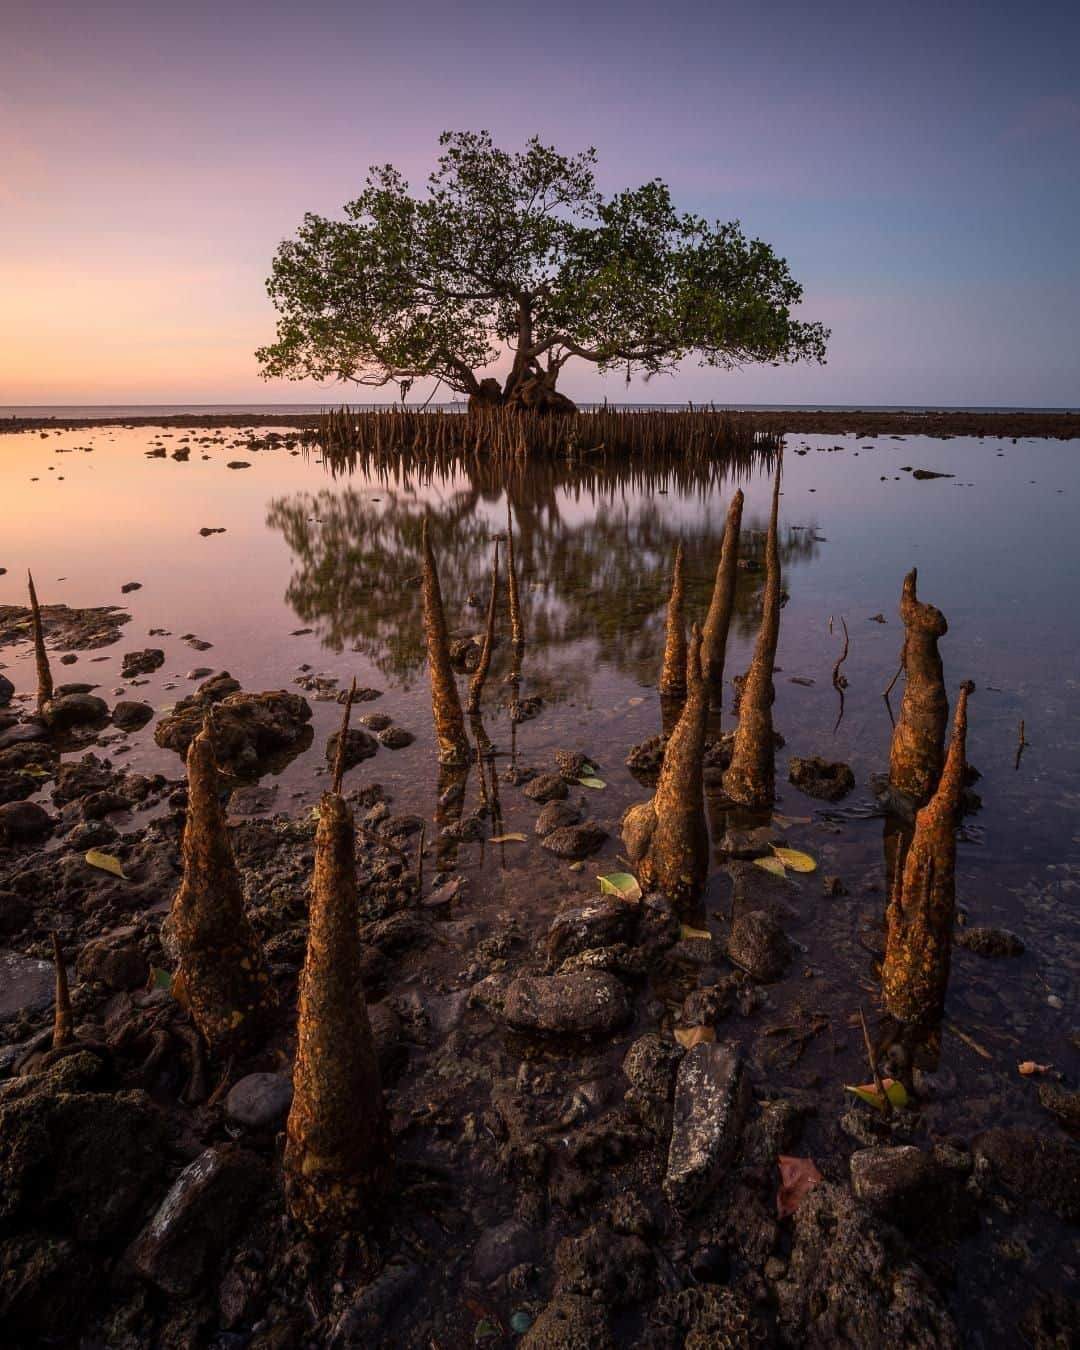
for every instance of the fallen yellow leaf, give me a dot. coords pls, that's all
(688, 1037)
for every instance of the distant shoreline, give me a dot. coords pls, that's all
(824, 421)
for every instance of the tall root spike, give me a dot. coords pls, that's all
(338, 1155)
(667, 838)
(63, 1021)
(222, 971)
(750, 778)
(341, 754)
(673, 672)
(476, 685)
(445, 704)
(41, 656)
(918, 743)
(714, 633)
(922, 909)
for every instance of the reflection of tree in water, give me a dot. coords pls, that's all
(357, 564)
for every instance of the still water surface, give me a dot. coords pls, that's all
(338, 555)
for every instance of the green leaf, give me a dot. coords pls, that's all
(868, 1093)
(773, 865)
(798, 862)
(106, 862)
(623, 884)
(159, 978)
(591, 782)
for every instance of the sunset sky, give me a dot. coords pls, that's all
(917, 164)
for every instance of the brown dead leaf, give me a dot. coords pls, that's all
(1029, 1067)
(798, 1176)
(688, 1037)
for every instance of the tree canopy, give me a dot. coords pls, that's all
(519, 253)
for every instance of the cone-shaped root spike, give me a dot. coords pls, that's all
(338, 1155)
(476, 685)
(667, 838)
(922, 908)
(341, 754)
(673, 674)
(750, 779)
(41, 656)
(714, 631)
(445, 704)
(222, 971)
(918, 743)
(517, 628)
(63, 1021)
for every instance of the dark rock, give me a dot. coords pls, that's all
(196, 1221)
(260, 1101)
(706, 1007)
(395, 738)
(887, 1178)
(1036, 1166)
(16, 912)
(850, 1282)
(501, 1248)
(72, 710)
(376, 721)
(546, 787)
(252, 800)
(130, 586)
(705, 1316)
(68, 659)
(594, 925)
(359, 745)
(66, 628)
(7, 690)
(556, 816)
(570, 1323)
(253, 733)
(589, 1003)
(757, 944)
(1060, 1102)
(651, 1064)
(143, 662)
(646, 759)
(20, 821)
(820, 778)
(605, 1266)
(78, 1163)
(22, 733)
(238, 464)
(26, 984)
(711, 1096)
(130, 715)
(572, 765)
(575, 841)
(989, 941)
(116, 959)
(465, 654)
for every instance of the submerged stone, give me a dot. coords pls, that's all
(587, 1003)
(819, 778)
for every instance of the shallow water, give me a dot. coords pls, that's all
(995, 547)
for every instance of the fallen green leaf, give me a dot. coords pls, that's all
(773, 865)
(623, 884)
(590, 782)
(868, 1093)
(798, 862)
(106, 862)
(159, 978)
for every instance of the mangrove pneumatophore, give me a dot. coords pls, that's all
(476, 684)
(922, 907)
(918, 743)
(714, 632)
(41, 656)
(338, 1156)
(667, 838)
(222, 974)
(673, 672)
(517, 627)
(63, 1021)
(750, 778)
(445, 704)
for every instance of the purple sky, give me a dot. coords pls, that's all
(917, 164)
